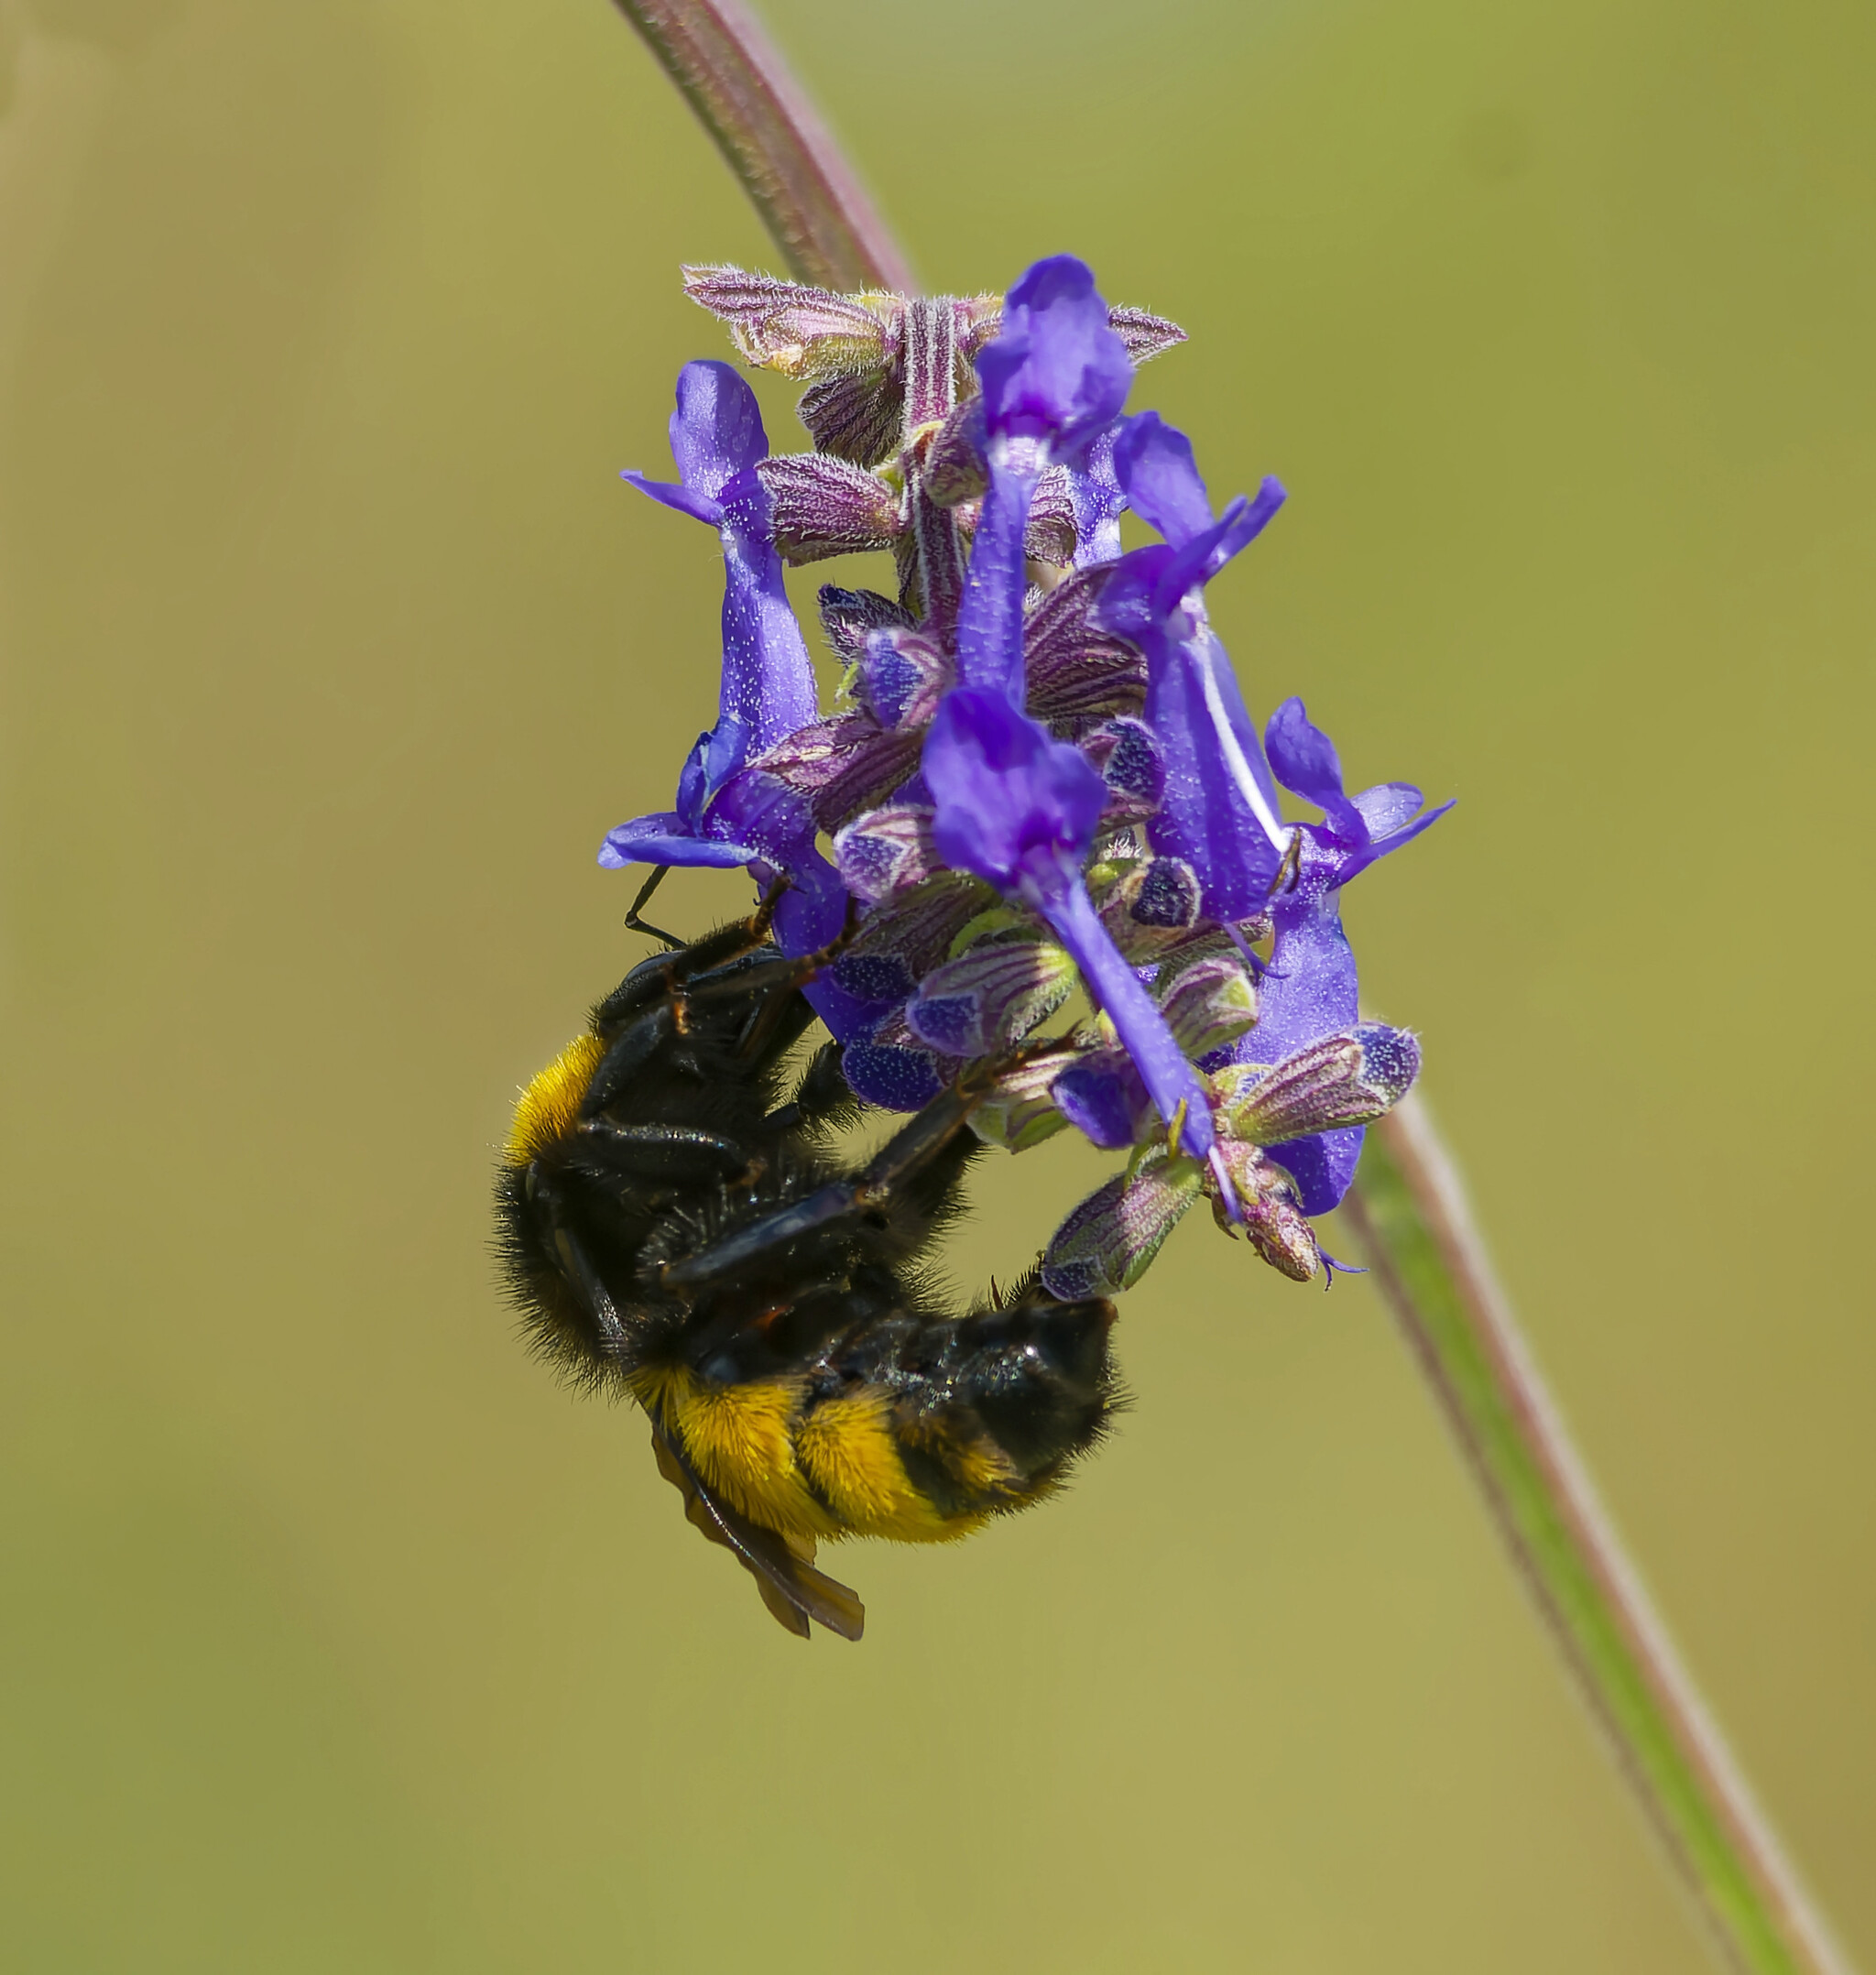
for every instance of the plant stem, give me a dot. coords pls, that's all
(1407, 1207)
(1410, 1211)
(781, 151)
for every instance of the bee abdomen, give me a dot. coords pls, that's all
(942, 1426)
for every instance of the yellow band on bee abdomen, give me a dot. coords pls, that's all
(739, 1438)
(847, 1446)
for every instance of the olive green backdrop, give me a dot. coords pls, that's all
(335, 1636)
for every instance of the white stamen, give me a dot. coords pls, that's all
(1277, 831)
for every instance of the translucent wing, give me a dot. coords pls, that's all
(790, 1586)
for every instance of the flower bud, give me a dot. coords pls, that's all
(1271, 1219)
(1049, 535)
(886, 851)
(855, 417)
(902, 676)
(848, 615)
(1102, 1094)
(1133, 768)
(806, 334)
(990, 997)
(821, 506)
(1146, 336)
(1351, 1078)
(891, 1067)
(1209, 1004)
(1108, 1242)
(1017, 1111)
(1154, 907)
(901, 941)
(955, 468)
(843, 766)
(1073, 670)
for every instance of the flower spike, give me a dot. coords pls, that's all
(1041, 770)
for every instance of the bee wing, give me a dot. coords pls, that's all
(790, 1586)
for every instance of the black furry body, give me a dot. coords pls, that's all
(673, 1225)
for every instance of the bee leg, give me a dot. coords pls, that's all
(823, 1099)
(663, 975)
(667, 973)
(918, 1165)
(757, 970)
(771, 983)
(684, 1155)
(576, 1266)
(634, 923)
(631, 1049)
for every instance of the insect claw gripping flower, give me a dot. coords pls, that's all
(1040, 771)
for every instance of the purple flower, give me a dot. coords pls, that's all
(1311, 989)
(1053, 380)
(1356, 831)
(768, 686)
(1020, 810)
(1220, 811)
(725, 814)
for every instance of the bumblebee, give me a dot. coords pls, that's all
(674, 1228)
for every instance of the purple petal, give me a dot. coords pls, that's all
(1388, 806)
(1102, 1096)
(848, 1018)
(1216, 813)
(1372, 853)
(1014, 807)
(767, 687)
(810, 912)
(1305, 760)
(700, 506)
(989, 619)
(1242, 522)
(1310, 989)
(1170, 1079)
(716, 430)
(664, 838)
(1098, 506)
(1322, 1167)
(1154, 465)
(767, 676)
(1056, 373)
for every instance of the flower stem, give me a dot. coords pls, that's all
(1407, 1207)
(1411, 1212)
(781, 151)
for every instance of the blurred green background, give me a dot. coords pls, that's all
(335, 1636)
